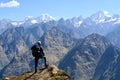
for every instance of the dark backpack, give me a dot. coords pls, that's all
(37, 51)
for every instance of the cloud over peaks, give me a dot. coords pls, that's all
(9, 4)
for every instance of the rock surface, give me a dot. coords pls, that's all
(50, 73)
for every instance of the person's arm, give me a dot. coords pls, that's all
(42, 52)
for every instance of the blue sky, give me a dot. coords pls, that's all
(19, 9)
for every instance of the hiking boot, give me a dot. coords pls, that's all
(35, 72)
(46, 65)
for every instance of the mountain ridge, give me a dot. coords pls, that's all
(108, 67)
(81, 61)
(99, 17)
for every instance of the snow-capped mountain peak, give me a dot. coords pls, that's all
(106, 13)
(34, 21)
(16, 23)
(45, 18)
(41, 18)
(100, 16)
(76, 21)
(29, 17)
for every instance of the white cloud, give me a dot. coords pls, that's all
(9, 4)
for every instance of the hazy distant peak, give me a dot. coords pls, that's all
(29, 17)
(46, 16)
(105, 13)
(102, 13)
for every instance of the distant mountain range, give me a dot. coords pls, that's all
(100, 22)
(77, 45)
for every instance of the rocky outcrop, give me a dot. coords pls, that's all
(50, 73)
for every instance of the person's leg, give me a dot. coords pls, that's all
(45, 62)
(36, 64)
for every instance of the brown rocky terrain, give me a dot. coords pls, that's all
(50, 73)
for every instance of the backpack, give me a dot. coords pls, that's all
(37, 51)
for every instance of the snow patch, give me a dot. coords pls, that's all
(34, 21)
(14, 23)
(118, 21)
(77, 24)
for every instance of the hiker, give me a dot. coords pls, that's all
(38, 53)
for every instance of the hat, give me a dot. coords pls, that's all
(39, 42)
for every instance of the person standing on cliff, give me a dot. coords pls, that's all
(38, 53)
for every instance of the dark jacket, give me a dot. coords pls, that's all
(37, 51)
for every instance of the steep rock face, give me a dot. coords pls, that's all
(108, 67)
(82, 60)
(3, 58)
(19, 64)
(18, 40)
(50, 73)
(15, 41)
(56, 44)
